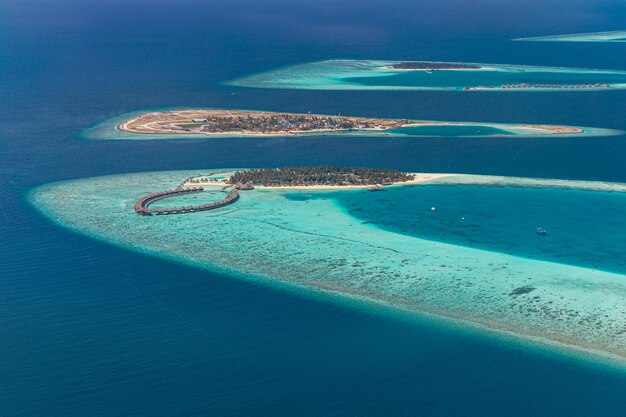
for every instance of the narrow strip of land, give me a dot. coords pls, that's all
(256, 123)
(244, 122)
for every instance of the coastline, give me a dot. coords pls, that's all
(348, 75)
(164, 122)
(512, 328)
(418, 178)
(557, 130)
(123, 125)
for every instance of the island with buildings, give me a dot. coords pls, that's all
(190, 123)
(244, 122)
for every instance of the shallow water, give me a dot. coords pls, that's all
(107, 130)
(314, 240)
(614, 36)
(376, 75)
(585, 228)
(451, 131)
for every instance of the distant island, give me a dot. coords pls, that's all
(433, 66)
(408, 75)
(611, 36)
(229, 123)
(244, 122)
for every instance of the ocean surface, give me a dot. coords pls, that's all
(90, 329)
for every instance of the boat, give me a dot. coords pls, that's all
(542, 231)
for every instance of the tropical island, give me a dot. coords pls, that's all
(315, 177)
(187, 123)
(328, 243)
(319, 175)
(322, 177)
(244, 122)
(432, 66)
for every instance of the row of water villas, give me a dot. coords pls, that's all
(141, 205)
(551, 86)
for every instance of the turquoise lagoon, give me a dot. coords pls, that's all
(476, 259)
(612, 36)
(377, 75)
(107, 130)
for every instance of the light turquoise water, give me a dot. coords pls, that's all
(321, 241)
(585, 228)
(376, 75)
(453, 130)
(614, 36)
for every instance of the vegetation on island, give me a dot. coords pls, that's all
(244, 122)
(282, 123)
(319, 175)
(433, 66)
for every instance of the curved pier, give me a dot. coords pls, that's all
(141, 205)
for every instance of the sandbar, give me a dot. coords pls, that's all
(610, 36)
(200, 123)
(273, 237)
(453, 76)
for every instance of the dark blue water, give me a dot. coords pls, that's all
(87, 329)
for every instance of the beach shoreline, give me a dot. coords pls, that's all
(417, 179)
(375, 240)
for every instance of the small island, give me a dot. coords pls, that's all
(407, 75)
(432, 66)
(312, 177)
(611, 36)
(328, 243)
(319, 175)
(247, 123)
(309, 177)
(244, 122)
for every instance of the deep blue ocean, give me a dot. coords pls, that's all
(89, 329)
